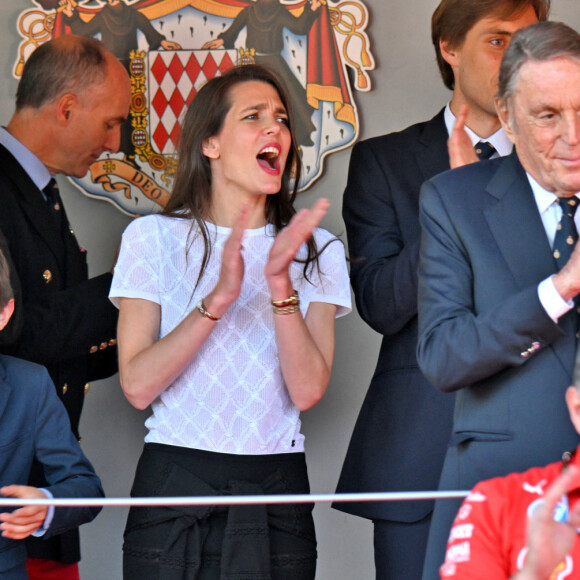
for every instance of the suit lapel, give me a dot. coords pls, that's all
(34, 207)
(431, 155)
(521, 237)
(517, 226)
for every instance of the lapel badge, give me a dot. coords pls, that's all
(47, 275)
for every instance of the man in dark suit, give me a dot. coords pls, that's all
(403, 429)
(34, 425)
(71, 100)
(497, 278)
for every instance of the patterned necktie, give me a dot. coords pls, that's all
(484, 149)
(54, 201)
(566, 232)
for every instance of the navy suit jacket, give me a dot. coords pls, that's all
(67, 321)
(482, 329)
(403, 428)
(34, 425)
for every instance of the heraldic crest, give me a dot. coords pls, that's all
(172, 47)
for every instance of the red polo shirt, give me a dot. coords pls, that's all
(488, 538)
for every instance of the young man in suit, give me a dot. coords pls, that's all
(34, 425)
(71, 101)
(403, 429)
(497, 278)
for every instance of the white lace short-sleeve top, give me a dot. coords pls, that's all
(231, 398)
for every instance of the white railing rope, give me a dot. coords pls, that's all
(236, 500)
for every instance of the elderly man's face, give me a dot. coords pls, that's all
(543, 121)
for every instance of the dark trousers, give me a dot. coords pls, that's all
(274, 542)
(400, 548)
(464, 467)
(443, 517)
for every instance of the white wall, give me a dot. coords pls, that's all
(406, 89)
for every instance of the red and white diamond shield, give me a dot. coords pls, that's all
(174, 79)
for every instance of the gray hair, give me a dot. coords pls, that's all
(67, 64)
(6, 293)
(539, 42)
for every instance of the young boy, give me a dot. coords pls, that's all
(34, 426)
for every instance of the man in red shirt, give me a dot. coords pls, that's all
(523, 526)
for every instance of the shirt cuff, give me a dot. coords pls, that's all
(49, 515)
(554, 305)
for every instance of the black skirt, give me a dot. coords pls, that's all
(264, 542)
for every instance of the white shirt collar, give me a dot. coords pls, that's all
(499, 139)
(35, 168)
(544, 198)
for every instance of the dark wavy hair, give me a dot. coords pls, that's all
(192, 189)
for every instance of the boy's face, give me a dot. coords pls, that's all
(6, 313)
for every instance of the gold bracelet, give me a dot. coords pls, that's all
(292, 301)
(204, 312)
(286, 309)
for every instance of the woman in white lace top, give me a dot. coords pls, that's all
(226, 329)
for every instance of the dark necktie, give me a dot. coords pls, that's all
(54, 201)
(566, 232)
(484, 149)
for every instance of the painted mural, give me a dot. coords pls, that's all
(172, 47)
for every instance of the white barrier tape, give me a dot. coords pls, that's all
(236, 500)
